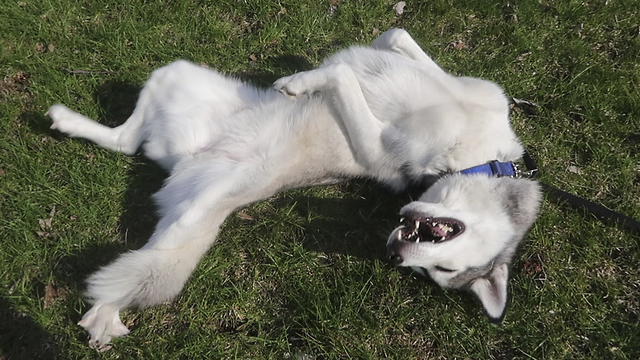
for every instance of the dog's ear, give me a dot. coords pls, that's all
(491, 290)
(522, 202)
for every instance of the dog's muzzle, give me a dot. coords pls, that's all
(417, 228)
(393, 256)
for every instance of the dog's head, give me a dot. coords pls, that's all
(464, 231)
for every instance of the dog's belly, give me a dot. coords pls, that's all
(295, 142)
(285, 142)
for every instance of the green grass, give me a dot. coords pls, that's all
(300, 276)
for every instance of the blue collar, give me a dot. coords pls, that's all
(493, 168)
(509, 168)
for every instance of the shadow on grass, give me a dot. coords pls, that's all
(356, 226)
(22, 338)
(280, 66)
(117, 100)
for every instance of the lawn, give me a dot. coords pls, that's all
(302, 275)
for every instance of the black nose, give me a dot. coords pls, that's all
(395, 259)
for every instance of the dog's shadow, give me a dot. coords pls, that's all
(356, 225)
(21, 337)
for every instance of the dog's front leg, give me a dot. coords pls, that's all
(340, 84)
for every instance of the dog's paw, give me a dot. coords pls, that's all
(390, 39)
(303, 83)
(64, 119)
(103, 323)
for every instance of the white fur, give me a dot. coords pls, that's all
(386, 112)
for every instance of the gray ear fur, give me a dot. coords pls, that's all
(521, 199)
(522, 202)
(491, 290)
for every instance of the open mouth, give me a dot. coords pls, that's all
(418, 228)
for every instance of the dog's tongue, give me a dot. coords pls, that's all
(437, 232)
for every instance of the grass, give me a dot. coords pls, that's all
(300, 276)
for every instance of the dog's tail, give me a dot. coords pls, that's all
(139, 278)
(144, 277)
(149, 276)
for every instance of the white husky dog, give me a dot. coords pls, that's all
(387, 112)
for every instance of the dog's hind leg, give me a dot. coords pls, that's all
(125, 138)
(399, 41)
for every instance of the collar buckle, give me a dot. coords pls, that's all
(520, 173)
(530, 165)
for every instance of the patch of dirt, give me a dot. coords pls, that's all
(14, 84)
(53, 293)
(534, 267)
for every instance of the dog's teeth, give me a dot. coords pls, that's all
(417, 225)
(401, 219)
(434, 223)
(417, 240)
(442, 238)
(399, 234)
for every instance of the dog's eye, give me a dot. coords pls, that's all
(440, 268)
